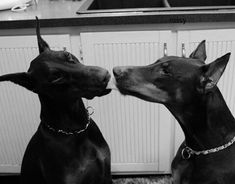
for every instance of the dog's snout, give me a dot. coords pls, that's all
(103, 74)
(119, 71)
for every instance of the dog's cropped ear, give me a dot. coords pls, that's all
(212, 72)
(42, 45)
(23, 79)
(199, 52)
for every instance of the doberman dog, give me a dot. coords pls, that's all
(68, 147)
(187, 87)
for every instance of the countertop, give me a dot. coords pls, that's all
(62, 13)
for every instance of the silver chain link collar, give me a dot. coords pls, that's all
(75, 131)
(187, 152)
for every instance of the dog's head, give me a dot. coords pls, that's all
(59, 74)
(171, 79)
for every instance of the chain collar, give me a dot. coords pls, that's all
(187, 152)
(89, 110)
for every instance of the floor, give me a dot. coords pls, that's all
(15, 179)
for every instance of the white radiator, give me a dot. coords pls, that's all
(138, 132)
(20, 108)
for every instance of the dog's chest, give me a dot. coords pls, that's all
(89, 167)
(76, 161)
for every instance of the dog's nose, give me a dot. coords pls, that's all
(118, 71)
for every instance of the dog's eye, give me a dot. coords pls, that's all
(69, 57)
(165, 69)
(165, 72)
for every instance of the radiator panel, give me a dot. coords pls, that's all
(133, 128)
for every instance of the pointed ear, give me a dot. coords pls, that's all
(42, 45)
(22, 79)
(213, 71)
(199, 52)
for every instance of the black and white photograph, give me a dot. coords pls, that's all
(117, 91)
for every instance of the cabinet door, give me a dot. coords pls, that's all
(20, 108)
(139, 133)
(218, 43)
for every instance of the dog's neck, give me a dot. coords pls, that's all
(63, 115)
(206, 122)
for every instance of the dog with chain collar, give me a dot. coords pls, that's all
(68, 146)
